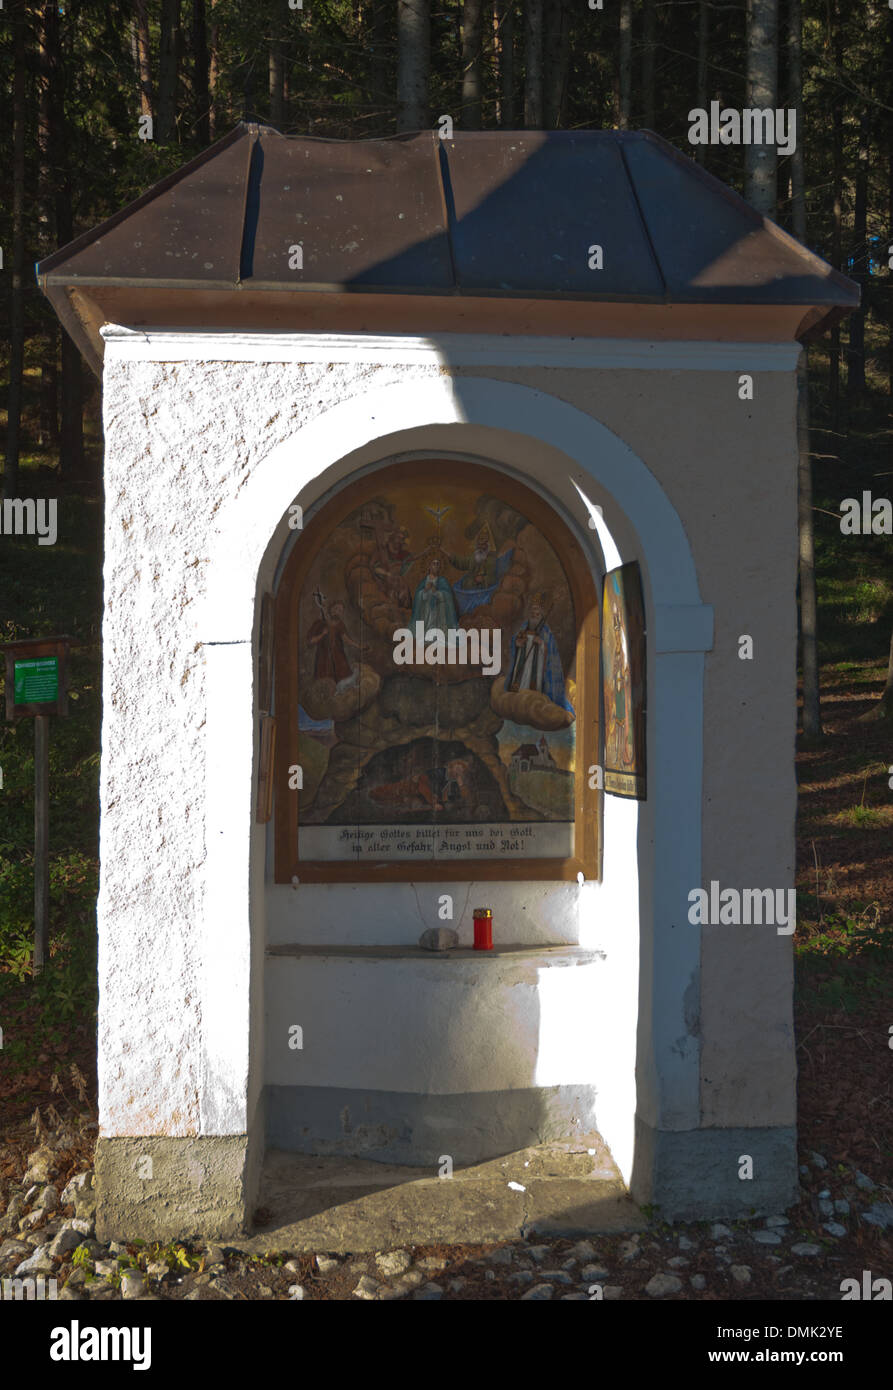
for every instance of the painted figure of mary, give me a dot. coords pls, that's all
(433, 603)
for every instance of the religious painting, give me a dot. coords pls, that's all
(436, 684)
(623, 678)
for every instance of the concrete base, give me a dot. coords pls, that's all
(163, 1189)
(405, 1128)
(351, 1205)
(693, 1175)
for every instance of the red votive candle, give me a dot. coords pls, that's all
(483, 929)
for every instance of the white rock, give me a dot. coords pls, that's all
(864, 1182)
(834, 1228)
(766, 1238)
(12, 1247)
(660, 1285)
(392, 1263)
(879, 1214)
(776, 1221)
(698, 1282)
(805, 1247)
(296, 1292)
(593, 1272)
(38, 1263)
(80, 1184)
(49, 1198)
(133, 1285)
(740, 1273)
(718, 1231)
(537, 1293)
(366, 1288)
(583, 1250)
(66, 1240)
(439, 939)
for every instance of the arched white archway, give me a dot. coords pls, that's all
(580, 463)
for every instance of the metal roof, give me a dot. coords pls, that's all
(489, 213)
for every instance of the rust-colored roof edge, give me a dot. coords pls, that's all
(75, 329)
(730, 297)
(42, 268)
(818, 322)
(716, 185)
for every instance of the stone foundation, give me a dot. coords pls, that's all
(163, 1189)
(692, 1175)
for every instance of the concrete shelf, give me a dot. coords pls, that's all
(544, 955)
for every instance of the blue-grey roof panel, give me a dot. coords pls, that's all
(535, 212)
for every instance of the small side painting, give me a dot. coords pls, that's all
(623, 676)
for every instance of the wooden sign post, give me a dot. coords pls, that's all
(37, 686)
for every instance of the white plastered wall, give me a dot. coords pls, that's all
(209, 442)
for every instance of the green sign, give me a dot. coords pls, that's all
(37, 680)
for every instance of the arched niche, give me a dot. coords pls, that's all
(413, 769)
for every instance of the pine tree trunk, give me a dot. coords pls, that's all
(837, 217)
(17, 19)
(201, 96)
(703, 52)
(144, 54)
(71, 392)
(71, 433)
(533, 64)
(380, 90)
(856, 354)
(761, 161)
(168, 69)
(890, 308)
(49, 392)
(505, 10)
(812, 711)
(556, 55)
(625, 64)
(277, 86)
(649, 34)
(213, 74)
(49, 120)
(413, 63)
(472, 64)
(795, 103)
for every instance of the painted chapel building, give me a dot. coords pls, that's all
(529, 400)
